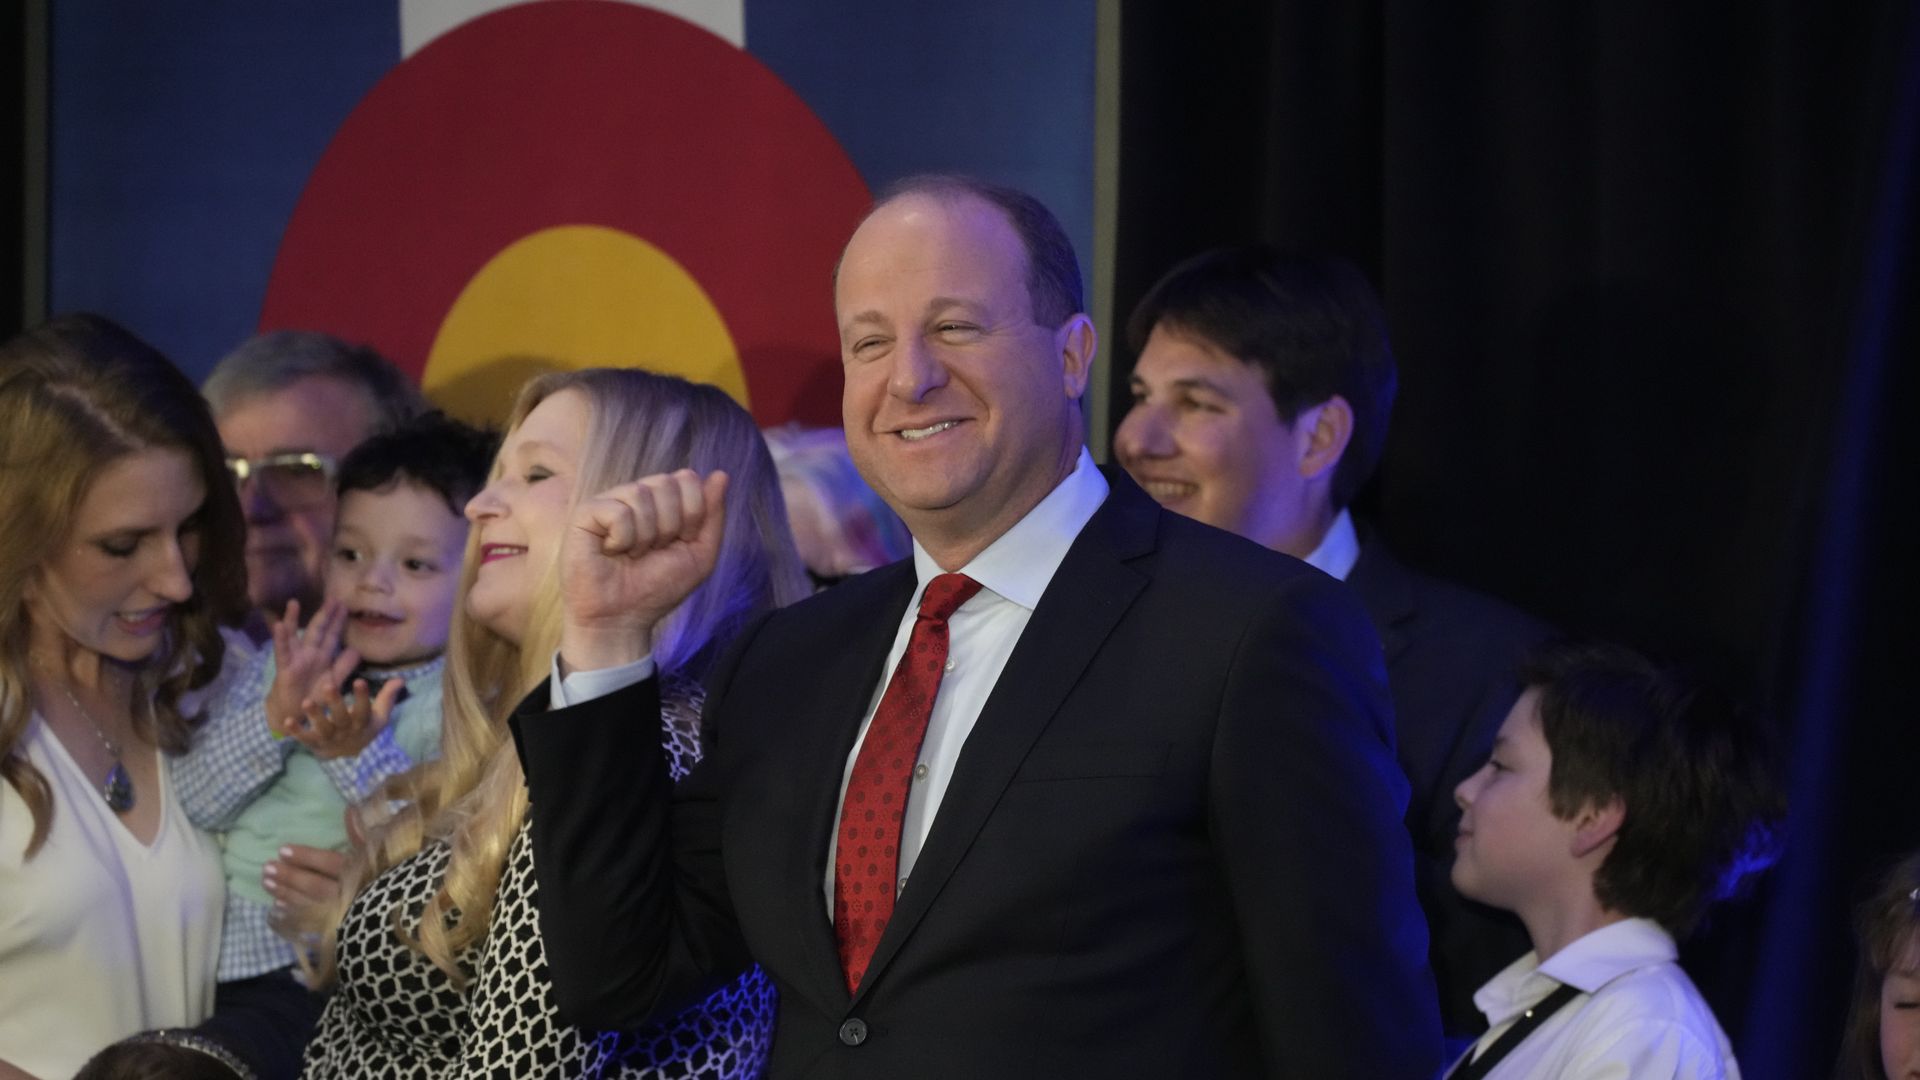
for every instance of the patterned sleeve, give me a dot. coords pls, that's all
(359, 776)
(232, 757)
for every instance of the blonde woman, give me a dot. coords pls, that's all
(437, 965)
(120, 542)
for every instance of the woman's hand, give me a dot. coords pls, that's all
(301, 877)
(631, 555)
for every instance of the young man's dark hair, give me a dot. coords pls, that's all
(1702, 808)
(433, 450)
(1313, 327)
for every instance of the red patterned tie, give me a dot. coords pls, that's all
(867, 857)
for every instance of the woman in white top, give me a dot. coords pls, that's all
(120, 544)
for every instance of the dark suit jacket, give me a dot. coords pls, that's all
(1452, 658)
(1172, 845)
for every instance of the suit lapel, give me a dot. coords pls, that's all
(1385, 589)
(839, 685)
(1085, 600)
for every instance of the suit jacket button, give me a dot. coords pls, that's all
(853, 1032)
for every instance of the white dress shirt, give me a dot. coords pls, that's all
(1637, 1016)
(1013, 573)
(1338, 550)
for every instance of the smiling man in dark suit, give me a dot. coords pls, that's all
(1261, 399)
(1082, 789)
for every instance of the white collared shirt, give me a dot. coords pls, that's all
(1013, 572)
(1637, 1014)
(1338, 550)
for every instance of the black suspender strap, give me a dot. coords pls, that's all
(1514, 1036)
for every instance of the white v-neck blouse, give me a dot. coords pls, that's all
(100, 935)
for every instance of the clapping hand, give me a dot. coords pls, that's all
(631, 555)
(305, 702)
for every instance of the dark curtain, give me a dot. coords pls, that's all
(1650, 270)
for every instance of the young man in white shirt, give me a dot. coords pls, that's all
(1616, 806)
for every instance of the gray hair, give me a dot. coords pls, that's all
(273, 361)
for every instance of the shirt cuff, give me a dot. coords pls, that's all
(580, 687)
(357, 777)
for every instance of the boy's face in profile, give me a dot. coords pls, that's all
(1511, 846)
(396, 566)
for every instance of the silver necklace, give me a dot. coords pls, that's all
(117, 790)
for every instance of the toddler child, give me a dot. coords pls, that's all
(282, 755)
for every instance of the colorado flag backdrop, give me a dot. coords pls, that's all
(482, 188)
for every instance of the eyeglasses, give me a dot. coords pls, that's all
(292, 480)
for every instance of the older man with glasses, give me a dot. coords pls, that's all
(289, 405)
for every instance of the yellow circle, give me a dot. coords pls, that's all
(575, 296)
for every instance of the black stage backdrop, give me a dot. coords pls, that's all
(1650, 270)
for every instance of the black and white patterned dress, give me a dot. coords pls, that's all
(393, 1014)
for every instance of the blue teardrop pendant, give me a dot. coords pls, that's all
(118, 790)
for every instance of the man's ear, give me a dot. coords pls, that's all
(1077, 344)
(1596, 824)
(1328, 428)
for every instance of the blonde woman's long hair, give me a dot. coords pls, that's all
(473, 798)
(77, 394)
